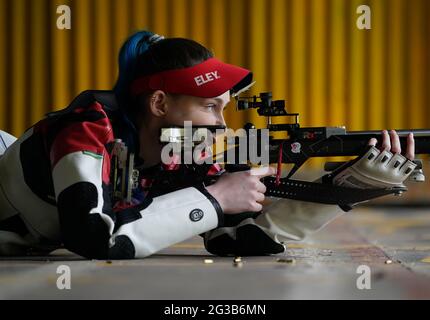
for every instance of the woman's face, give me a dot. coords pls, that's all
(201, 111)
(172, 110)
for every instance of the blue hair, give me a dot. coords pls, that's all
(135, 46)
(129, 55)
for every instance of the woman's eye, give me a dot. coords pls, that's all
(211, 105)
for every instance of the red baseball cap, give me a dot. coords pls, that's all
(208, 79)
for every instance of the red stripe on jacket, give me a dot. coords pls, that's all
(85, 136)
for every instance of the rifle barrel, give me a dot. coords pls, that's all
(416, 132)
(352, 143)
(422, 138)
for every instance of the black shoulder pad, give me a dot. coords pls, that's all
(106, 97)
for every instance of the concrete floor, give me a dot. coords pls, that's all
(325, 266)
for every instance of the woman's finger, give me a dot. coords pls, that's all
(263, 171)
(395, 142)
(261, 187)
(373, 142)
(386, 143)
(259, 197)
(410, 149)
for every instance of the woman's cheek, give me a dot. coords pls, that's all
(196, 116)
(206, 119)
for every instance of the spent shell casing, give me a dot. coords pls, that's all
(286, 260)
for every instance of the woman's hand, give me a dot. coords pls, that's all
(391, 143)
(240, 191)
(383, 168)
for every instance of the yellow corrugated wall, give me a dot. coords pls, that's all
(308, 52)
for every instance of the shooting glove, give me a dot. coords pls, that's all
(375, 169)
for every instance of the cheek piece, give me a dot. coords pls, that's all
(208, 79)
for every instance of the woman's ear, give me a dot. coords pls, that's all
(158, 103)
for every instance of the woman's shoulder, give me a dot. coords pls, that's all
(102, 101)
(85, 123)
